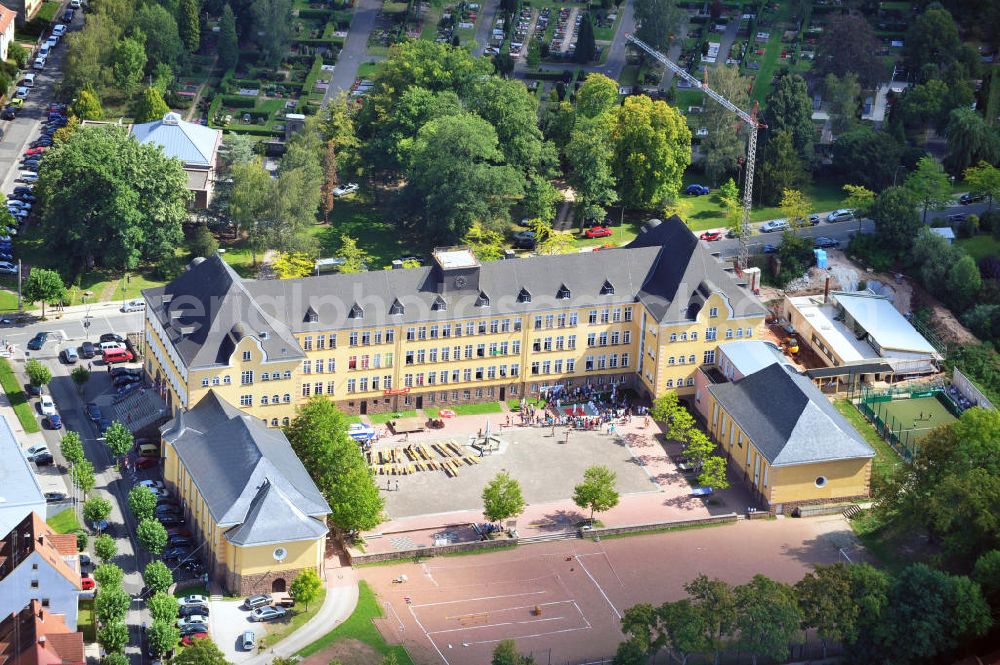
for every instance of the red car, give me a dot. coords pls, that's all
(711, 236)
(35, 151)
(598, 232)
(147, 462)
(187, 640)
(87, 583)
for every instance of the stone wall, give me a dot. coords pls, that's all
(660, 526)
(359, 558)
(248, 585)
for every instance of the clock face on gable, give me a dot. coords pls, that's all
(460, 282)
(279, 553)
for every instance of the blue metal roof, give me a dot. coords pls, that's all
(189, 142)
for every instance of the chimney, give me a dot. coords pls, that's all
(397, 264)
(826, 290)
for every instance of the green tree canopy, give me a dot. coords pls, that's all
(201, 652)
(789, 109)
(150, 106)
(228, 46)
(38, 374)
(597, 95)
(826, 602)
(768, 618)
(129, 62)
(929, 185)
(43, 285)
(505, 653)
(88, 105)
(502, 498)
(113, 636)
(105, 548)
(111, 604)
(849, 45)
(96, 509)
(590, 153)
(272, 27)
(306, 587)
(157, 576)
(657, 22)
(586, 46)
(162, 606)
(118, 439)
(151, 535)
(188, 24)
(896, 219)
(142, 502)
(598, 491)
(162, 636)
(984, 178)
(82, 475)
(725, 144)
(318, 434)
(781, 168)
(868, 158)
(108, 575)
(108, 199)
(71, 448)
(513, 112)
(970, 140)
(163, 44)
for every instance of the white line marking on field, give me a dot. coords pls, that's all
(600, 589)
(469, 600)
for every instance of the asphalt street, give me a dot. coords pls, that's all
(355, 47)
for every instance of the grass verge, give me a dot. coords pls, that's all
(359, 626)
(383, 418)
(64, 522)
(85, 620)
(299, 617)
(881, 540)
(980, 246)
(18, 399)
(886, 458)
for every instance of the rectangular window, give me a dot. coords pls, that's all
(422, 332)
(246, 400)
(319, 366)
(352, 362)
(352, 385)
(330, 385)
(589, 363)
(628, 313)
(517, 325)
(467, 374)
(390, 336)
(592, 316)
(713, 312)
(573, 318)
(624, 360)
(387, 382)
(495, 326)
(318, 388)
(605, 315)
(434, 332)
(366, 339)
(538, 322)
(729, 333)
(352, 339)
(557, 367)
(307, 343)
(547, 344)
(411, 334)
(711, 334)
(570, 365)
(306, 367)
(246, 356)
(616, 314)
(549, 320)
(331, 365)
(709, 357)
(515, 369)
(320, 342)
(591, 339)
(246, 377)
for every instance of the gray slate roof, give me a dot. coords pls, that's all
(788, 419)
(665, 267)
(191, 143)
(248, 474)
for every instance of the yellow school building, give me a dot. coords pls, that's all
(644, 316)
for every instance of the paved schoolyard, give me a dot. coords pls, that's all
(228, 621)
(547, 466)
(568, 596)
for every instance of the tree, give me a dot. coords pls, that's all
(128, 64)
(162, 43)
(43, 285)
(80, 376)
(795, 207)
(540, 198)
(869, 158)
(724, 147)
(590, 153)
(597, 95)
(789, 109)
(781, 168)
(306, 587)
(970, 140)
(642, 626)
(964, 282)
(157, 577)
(188, 24)
(557, 242)
(162, 78)
(108, 575)
(987, 574)
(202, 242)
(859, 199)
(502, 498)
(293, 265)
(684, 624)
(115, 658)
(843, 95)
(105, 548)
(88, 105)
(597, 491)
(698, 447)
(827, 606)
(505, 653)
(228, 45)
(657, 21)
(272, 27)
(929, 185)
(152, 535)
(931, 40)
(150, 106)
(486, 244)
(652, 149)
(984, 178)
(330, 179)
(318, 434)
(512, 110)
(82, 475)
(896, 219)
(38, 374)
(142, 502)
(768, 618)
(201, 652)
(456, 177)
(713, 473)
(162, 606)
(718, 604)
(108, 199)
(72, 448)
(586, 47)
(18, 54)
(118, 439)
(355, 259)
(96, 509)
(113, 636)
(249, 204)
(849, 46)
(111, 604)
(163, 637)
(630, 652)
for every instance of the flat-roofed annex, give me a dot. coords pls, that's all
(452, 258)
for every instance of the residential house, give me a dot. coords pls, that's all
(249, 500)
(37, 564)
(8, 18)
(24, 10)
(20, 493)
(644, 316)
(35, 636)
(196, 146)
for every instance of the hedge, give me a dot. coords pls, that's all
(332, 41)
(315, 13)
(239, 102)
(314, 73)
(550, 75)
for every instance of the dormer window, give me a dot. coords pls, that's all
(396, 308)
(311, 316)
(563, 293)
(439, 305)
(483, 300)
(608, 289)
(356, 312)
(524, 296)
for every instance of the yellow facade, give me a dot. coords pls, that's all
(793, 484)
(500, 357)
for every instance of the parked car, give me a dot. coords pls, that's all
(525, 239)
(176, 553)
(179, 541)
(697, 190)
(822, 242)
(55, 497)
(70, 356)
(59, 29)
(189, 638)
(971, 197)
(45, 459)
(192, 610)
(47, 406)
(957, 218)
(267, 613)
(711, 236)
(148, 463)
(87, 583)
(9, 113)
(345, 190)
(248, 640)
(21, 92)
(194, 629)
(38, 341)
(117, 356)
(260, 600)
(36, 450)
(75, 4)
(842, 215)
(194, 599)
(152, 484)
(111, 337)
(774, 225)
(770, 249)
(598, 232)
(8, 269)
(39, 63)
(53, 421)
(87, 350)
(93, 411)
(134, 306)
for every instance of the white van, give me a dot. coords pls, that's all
(111, 346)
(134, 306)
(28, 81)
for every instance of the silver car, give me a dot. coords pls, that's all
(267, 613)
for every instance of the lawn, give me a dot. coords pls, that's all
(359, 626)
(85, 619)
(469, 409)
(515, 404)
(383, 418)
(980, 246)
(299, 617)
(64, 522)
(17, 397)
(886, 458)
(883, 541)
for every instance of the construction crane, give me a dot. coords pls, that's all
(749, 118)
